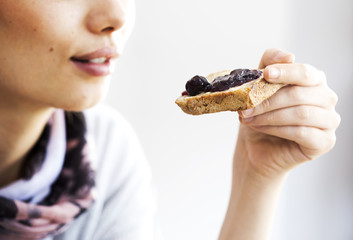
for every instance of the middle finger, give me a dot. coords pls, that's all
(290, 96)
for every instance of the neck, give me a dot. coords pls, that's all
(20, 127)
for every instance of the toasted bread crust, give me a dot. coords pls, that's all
(238, 98)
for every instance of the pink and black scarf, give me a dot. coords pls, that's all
(70, 195)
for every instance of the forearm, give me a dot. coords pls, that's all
(252, 203)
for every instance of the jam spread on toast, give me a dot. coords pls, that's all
(237, 77)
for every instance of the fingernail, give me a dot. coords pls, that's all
(274, 73)
(247, 112)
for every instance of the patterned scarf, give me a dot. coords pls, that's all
(70, 195)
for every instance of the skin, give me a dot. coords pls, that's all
(36, 73)
(37, 76)
(295, 125)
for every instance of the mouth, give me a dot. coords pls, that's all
(97, 63)
(100, 60)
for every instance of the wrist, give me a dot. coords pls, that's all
(248, 178)
(253, 157)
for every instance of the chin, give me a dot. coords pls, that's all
(75, 106)
(78, 107)
(79, 102)
(84, 97)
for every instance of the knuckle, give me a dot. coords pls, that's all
(333, 98)
(302, 132)
(305, 70)
(265, 105)
(302, 113)
(316, 141)
(271, 51)
(326, 143)
(265, 119)
(330, 141)
(268, 51)
(296, 93)
(333, 140)
(338, 119)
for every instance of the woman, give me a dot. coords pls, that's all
(68, 174)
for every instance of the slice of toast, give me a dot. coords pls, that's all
(234, 99)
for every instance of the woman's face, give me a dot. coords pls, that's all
(60, 53)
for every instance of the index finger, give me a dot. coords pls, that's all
(275, 55)
(294, 74)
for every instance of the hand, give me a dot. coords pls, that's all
(295, 125)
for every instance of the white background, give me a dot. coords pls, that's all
(191, 155)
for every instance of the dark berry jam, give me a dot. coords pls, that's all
(237, 77)
(196, 85)
(185, 93)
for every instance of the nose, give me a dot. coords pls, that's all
(106, 16)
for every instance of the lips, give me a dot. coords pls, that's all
(96, 63)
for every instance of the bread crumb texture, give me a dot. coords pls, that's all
(238, 98)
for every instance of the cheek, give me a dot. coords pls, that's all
(35, 25)
(35, 36)
(40, 37)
